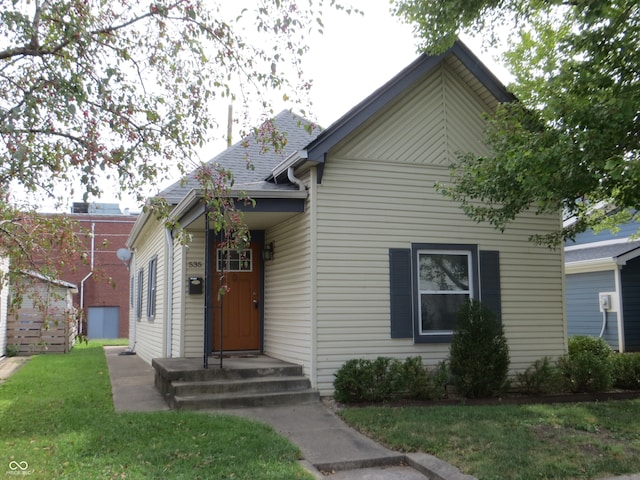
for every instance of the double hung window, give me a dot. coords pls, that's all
(444, 285)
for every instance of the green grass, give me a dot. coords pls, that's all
(560, 441)
(56, 414)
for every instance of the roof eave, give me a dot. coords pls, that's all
(592, 265)
(355, 117)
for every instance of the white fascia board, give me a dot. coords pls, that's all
(602, 243)
(141, 221)
(586, 266)
(187, 203)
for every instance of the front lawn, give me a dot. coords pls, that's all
(560, 441)
(57, 421)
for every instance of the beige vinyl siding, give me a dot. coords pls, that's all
(378, 193)
(287, 296)
(150, 333)
(4, 294)
(193, 313)
(178, 291)
(133, 296)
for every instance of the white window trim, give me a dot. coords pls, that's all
(420, 292)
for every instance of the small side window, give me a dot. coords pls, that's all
(151, 290)
(139, 294)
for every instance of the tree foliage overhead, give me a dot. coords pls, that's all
(572, 141)
(104, 92)
(124, 86)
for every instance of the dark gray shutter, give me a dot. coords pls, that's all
(490, 281)
(401, 297)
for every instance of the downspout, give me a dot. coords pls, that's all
(169, 290)
(294, 179)
(313, 272)
(207, 292)
(133, 330)
(93, 246)
(618, 282)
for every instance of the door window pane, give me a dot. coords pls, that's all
(234, 261)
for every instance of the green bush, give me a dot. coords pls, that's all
(587, 367)
(12, 350)
(625, 370)
(593, 345)
(479, 354)
(354, 381)
(384, 379)
(541, 377)
(420, 383)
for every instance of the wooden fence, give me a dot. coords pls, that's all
(31, 335)
(45, 322)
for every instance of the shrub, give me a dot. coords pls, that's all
(383, 379)
(479, 354)
(625, 370)
(12, 350)
(586, 368)
(593, 345)
(354, 381)
(541, 377)
(423, 384)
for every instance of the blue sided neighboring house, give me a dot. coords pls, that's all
(602, 273)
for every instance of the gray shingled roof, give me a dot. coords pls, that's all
(235, 158)
(606, 251)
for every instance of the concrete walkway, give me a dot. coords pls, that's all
(331, 449)
(132, 383)
(10, 365)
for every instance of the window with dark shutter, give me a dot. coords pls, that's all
(429, 283)
(401, 293)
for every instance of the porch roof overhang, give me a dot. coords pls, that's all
(273, 204)
(269, 207)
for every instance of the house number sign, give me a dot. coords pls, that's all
(194, 264)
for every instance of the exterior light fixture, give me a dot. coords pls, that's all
(267, 252)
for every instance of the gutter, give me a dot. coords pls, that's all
(293, 160)
(595, 265)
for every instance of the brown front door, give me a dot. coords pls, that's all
(239, 307)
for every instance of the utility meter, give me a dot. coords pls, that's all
(605, 301)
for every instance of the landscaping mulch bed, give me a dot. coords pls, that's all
(510, 399)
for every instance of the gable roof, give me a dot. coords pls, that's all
(613, 251)
(53, 281)
(262, 157)
(423, 65)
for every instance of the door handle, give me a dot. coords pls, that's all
(256, 304)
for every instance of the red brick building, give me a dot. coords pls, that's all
(103, 281)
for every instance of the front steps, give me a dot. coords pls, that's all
(256, 381)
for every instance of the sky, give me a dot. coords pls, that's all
(355, 56)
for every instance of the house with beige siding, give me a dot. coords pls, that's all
(354, 253)
(4, 304)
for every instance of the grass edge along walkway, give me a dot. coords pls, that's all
(57, 421)
(586, 440)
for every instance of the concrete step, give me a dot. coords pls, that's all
(248, 385)
(216, 373)
(212, 401)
